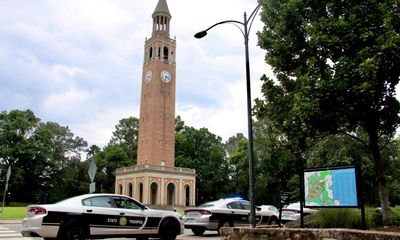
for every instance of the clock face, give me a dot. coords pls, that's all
(166, 76)
(148, 76)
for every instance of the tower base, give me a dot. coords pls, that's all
(157, 185)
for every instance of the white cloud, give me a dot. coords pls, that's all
(66, 102)
(79, 62)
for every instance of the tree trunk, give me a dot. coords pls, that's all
(383, 191)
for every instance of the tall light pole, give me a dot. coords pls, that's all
(245, 28)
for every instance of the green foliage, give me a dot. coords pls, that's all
(37, 152)
(201, 150)
(395, 211)
(13, 213)
(336, 72)
(275, 167)
(351, 218)
(126, 136)
(339, 218)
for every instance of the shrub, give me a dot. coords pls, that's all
(395, 211)
(338, 218)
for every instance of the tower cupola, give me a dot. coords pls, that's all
(161, 19)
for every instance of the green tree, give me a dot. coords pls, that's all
(36, 151)
(239, 170)
(107, 161)
(126, 136)
(201, 150)
(336, 65)
(233, 142)
(275, 166)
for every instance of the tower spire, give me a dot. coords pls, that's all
(162, 7)
(161, 18)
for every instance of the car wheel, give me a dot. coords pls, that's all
(74, 232)
(198, 231)
(170, 228)
(224, 224)
(273, 221)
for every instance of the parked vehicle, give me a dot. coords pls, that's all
(271, 209)
(100, 216)
(292, 212)
(230, 212)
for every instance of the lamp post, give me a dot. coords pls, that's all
(245, 28)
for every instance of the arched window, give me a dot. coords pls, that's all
(140, 192)
(187, 195)
(151, 53)
(130, 190)
(120, 189)
(166, 53)
(171, 194)
(153, 193)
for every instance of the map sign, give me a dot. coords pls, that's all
(331, 188)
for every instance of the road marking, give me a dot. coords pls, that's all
(8, 234)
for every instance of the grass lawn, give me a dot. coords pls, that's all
(13, 213)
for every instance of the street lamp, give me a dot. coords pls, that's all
(246, 24)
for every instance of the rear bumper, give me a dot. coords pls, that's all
(32, 227)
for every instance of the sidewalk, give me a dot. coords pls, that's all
(10, 221)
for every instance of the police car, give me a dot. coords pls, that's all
(230, 212)
(100, 216)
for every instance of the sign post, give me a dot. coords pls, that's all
(284, 201)
(92, 174)
(5, 190)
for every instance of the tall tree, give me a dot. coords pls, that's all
(36, 151)
(126, 136)
(337, 67)
(275, 166)
(233, 142)
(201, 150)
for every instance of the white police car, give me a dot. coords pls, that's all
(100, 216)
(230, 212)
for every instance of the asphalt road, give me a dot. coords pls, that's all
(12, 232)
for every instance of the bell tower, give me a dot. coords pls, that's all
(155, 180)
(156, 144)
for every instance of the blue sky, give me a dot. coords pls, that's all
(79, 62)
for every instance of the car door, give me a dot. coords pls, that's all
(246, 205)
(132, 216)
(101, 215)
(240, 216)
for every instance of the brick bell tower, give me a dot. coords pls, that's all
(157, 110)
(155, 180)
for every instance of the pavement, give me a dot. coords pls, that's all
(10, 221)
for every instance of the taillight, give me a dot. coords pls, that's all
(205, 212)
(36, 211)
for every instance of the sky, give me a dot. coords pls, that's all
(79, 62)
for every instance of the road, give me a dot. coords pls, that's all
(12, 232)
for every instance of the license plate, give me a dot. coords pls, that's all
(190, 220)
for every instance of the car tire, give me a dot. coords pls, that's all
(170, 228)
(74, 231)
(224, 224)
(198, 231)
(273, 221)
